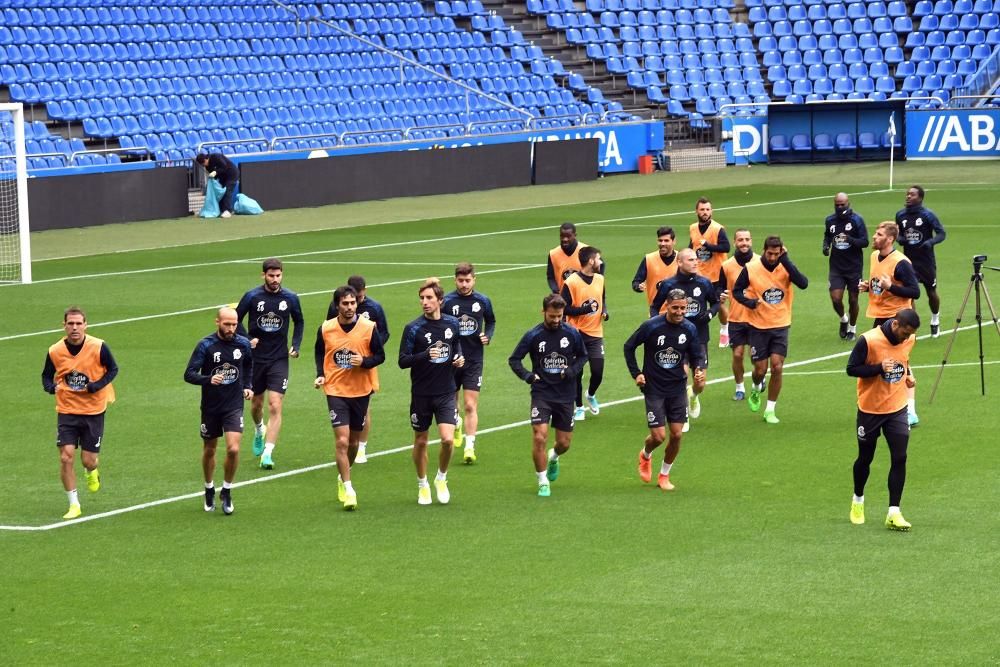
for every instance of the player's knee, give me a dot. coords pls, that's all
(66, 456)
(448, 442)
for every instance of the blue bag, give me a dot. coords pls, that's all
(244, 205)
(213, 194)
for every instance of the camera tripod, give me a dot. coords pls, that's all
(977, 282)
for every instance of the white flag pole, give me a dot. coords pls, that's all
(892, 145)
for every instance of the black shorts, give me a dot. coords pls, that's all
(270, 376)
(594, 345)
(440, 408)
(83, 431)
(765, 342)
(663, 410)
(926, 274)
(348, 412)
(739, 334)
(214, 424)
(849, 281)
(871, 425)
(559, 414)
(470, 375)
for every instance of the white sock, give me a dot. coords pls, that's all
(422, 482)
(770, 406)
(853, 328)
(348, 488)
(644, 454)
(268, 448)
(209, 485)
(665, 468)
(759, 386)
(911, 406)
(441, 476)
(741, 386)
(470, 441)
(724, 329)
(260, 426)
(227, 485)
(542, 479)
(859, 499)
(844, 318)
(552, 455)
(893, 510)
(73, 498)
(362, 444)
(935, 319)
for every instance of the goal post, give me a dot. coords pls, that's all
(15, 240)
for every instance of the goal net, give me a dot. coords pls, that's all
(15, 248)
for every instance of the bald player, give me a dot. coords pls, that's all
(222, 364)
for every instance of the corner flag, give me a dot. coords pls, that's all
(892, 125)
(892, 145)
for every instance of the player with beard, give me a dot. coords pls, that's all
(557, 354)
(711, 245)
(739, 327)
(844, 237)
(587, 310)
(656, 266)
(222, 363)
(670, 342)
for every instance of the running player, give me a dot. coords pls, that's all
(919, 231)
(843, 239)
(79, 370)
(557, 354)
(710, 243)
(222, 363)
(564, 259)
(670, 342)
(476, 324)
(587, 310)
(739, 329)
(656, 266)
(431, 348)
(271, 309)
(347, 350)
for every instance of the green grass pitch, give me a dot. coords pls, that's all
(751, 560)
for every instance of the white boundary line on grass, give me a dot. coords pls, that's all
(202, 309)
(394, 244)
(386, 452)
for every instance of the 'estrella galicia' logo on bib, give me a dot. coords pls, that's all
(590, 304)
(76, 381)
(668, 358)
(875, 287)
(703, 254)
(270, 322)
(467, 325)
(773, 295)
(895, 375)
(229, 373)
(567, 273)
(342, 358)
(444, 351)
(554, 363)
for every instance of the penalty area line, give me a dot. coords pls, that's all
(387, 452)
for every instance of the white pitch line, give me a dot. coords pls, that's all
(394, 244)
(202, 309)
(922, 366)
(395, 263)
(386, 452)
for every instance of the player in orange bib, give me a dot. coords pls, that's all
(881, 362)
(587, 310)
(347, 350)
(79, 370)
(657, 266)
(739, 327)
(564, 259)
(711, 246)
(891, 286)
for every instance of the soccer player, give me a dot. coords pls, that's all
(564, 259)
(476, 324)
(919, 231)
(711, 245)
(587, 310)
(347, 350)
(843, 239)
(881, 362)
(702, 305)
(739, 329)
(222, 363)
(669, 343)
(431, 348)
(656, 266)
(271, 309)
(557, 354)
(370, 309)
(79, 370)
(891, 286)
(770, 279)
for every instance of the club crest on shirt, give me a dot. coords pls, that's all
(365, 315)
(476, 307)
(564, 342)
(237, 354)
(76, 380)
(447, 334)
(283, 305)
(696, 291)
(682, 339)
